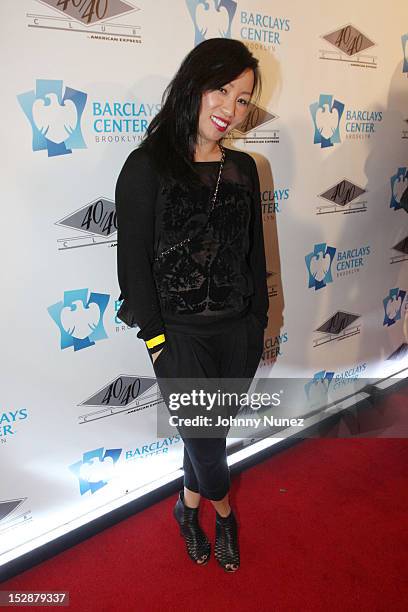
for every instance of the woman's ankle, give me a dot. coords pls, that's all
(224, 514)
(191, 499)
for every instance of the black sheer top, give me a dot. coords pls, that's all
(219, 273)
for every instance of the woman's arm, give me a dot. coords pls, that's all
(135, 197)
(260, 300)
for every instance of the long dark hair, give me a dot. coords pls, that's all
(172, 133)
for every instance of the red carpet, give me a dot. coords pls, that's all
(323, 527)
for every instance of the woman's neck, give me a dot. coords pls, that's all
(208, 151)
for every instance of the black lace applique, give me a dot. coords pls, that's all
(210, 273)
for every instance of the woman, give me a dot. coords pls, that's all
(191, 260)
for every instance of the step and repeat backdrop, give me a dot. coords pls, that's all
(82, 79)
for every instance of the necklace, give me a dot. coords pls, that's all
(213, 200)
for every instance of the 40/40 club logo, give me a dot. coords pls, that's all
(79, 318)
(401, 251)
(349, 46)
(126, 393)
(97, 220)
(319, 263)
(259, 126)
(54, 116)
(97, 19)
(344, 197)
(399, 190)
(393, 306)
(90, 11)
(338, 327)
(12, 515)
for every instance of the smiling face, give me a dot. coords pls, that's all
(224, 108)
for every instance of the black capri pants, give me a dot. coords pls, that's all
(228, 349)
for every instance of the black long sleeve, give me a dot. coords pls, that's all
(260, 300)
(220, 273)
(135, 196)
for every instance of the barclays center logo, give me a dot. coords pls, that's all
(10, 421)
(399, 190)
(327, 387)
(393, 306)
(321, 389)
(79, 318)
(54, 113)
(152, 449)
(263, 31)
(273, 347)
(95, 469)
(326, 115)
(317, 388)
(345, 262)
(274, 200)
(360, 124)
(121, 122)
(211, 18)
(319, 263)
(349, 376)
(120, 326)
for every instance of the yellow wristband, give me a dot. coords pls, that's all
(156, 340)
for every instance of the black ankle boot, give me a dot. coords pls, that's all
(197, 543)
(226, 549)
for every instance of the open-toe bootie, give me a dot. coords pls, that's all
(197, 544)
(226, 549)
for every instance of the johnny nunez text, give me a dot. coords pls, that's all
(206, 421)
